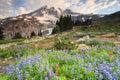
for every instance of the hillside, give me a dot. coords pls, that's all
(107, 24)
(114, 17)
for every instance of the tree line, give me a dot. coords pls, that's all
(66, 23)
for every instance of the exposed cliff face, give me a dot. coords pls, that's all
(14, 26)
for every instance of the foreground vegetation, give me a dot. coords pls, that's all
(100, 62)
(102, 27)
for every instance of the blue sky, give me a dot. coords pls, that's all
(17, 7)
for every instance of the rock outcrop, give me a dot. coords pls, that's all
(20, 26)
(83, 47)
(110, 35)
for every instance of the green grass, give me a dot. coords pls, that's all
(11, 41)
(5, 53)
(4, 77)
(103, 27)
(99, 43)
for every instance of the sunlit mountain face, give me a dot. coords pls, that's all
(11, 8)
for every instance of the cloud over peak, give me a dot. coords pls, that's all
(17, 7)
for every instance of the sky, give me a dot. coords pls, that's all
(9, 8)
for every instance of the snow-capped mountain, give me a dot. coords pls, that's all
(41, 20)
(46, 15)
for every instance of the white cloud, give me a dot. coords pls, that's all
(2, 16)
(5, 8)
(21, 10)
(90, 6)
(35, 4)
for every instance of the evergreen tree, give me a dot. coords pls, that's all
(78, 23)
(65, 23)
(56, 30)
(1, 33)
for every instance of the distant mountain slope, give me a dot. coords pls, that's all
(112, 17)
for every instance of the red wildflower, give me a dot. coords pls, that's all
(56, 67)
(111, 54)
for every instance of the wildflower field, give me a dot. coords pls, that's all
(98, 63)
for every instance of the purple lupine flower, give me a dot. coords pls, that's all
(117, 61)
(90, 67)
(33, 78)
(9, 70)
(101, 77)
(56, 77)
(107, 74)
(87, 56)
(118, 51)
(114, 75)
(47, 68)
(78, 55)
(37, 56)
(41, 78)
(111, 64)
(26, 73)
(118, 64)
(51, 74)
(46, 78)
(69, 57)
(79, 65)
(58, 57)
(42, 66)
(18, 72)
(118, 68)
(72, 70)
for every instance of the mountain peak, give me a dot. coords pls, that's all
(47, 11)
(44, 7)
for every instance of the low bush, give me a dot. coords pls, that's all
(64, 44)
(94, 43)
(5, 53)
(109, 44)
(56, 30)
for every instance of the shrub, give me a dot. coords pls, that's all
(109, 44)
(5, 53)
(99, 43)
(84, 28)
(64, 44)
(94, 43)
(56, 30)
